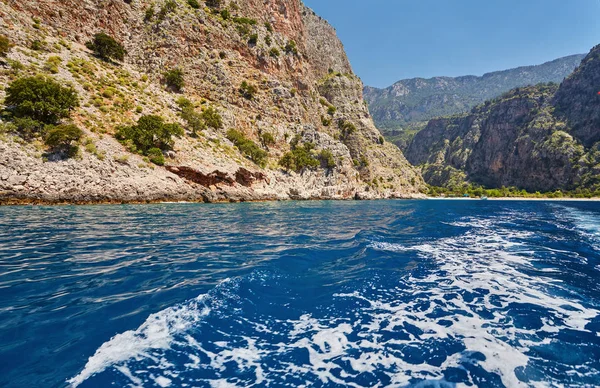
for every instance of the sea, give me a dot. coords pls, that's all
(429, 293)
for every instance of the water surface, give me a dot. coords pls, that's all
(385, 293)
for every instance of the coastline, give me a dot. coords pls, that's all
(99, 202)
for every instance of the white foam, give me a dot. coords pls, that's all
(487, 262)
(155, 333)
(162, 381)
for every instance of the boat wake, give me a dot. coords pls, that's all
(478, 310)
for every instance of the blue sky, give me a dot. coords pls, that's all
(389, 40)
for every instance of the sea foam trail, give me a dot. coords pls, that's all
(461, 315)
(156, 333)
(485, 269)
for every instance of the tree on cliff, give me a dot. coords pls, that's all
(106, 47)
(149, 132)
(41, 99)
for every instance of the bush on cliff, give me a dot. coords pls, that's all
(38, 101)
(149, 132)
(174, 79)
(62, 137)
(300, 157)
(327, 159)
(106, 47)
(197, 122)
(248, 147)
(194, 4)
(247, 90)
(5, 46)
(156, 156)
(213, 3)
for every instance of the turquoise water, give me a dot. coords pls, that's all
(385, 293)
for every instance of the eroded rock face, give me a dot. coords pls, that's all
(216, 57)
(539, 138)
(578, 100)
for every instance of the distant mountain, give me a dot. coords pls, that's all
(543, 137)
(410, 103)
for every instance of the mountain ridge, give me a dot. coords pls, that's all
(538, 138)
(413, 101)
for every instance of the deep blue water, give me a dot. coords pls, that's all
(385, 293)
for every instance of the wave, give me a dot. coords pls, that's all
(474, 315)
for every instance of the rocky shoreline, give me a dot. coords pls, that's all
(25, 201)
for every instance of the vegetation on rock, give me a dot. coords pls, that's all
(174, 79)
(62, 137)
(5, 46)
(248, 90)
(40, 99)
(106, 47)
(247, 147)
(300, 156)
(151, 131)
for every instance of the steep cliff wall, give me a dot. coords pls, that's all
(305, 90)
(542, 138)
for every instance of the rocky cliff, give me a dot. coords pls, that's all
(304, 92)
(538, 138)
(410, 102)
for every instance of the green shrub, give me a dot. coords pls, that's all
(194, 4)
(300, 157)
(194, 120)
(242, 20)
(268, 40)
(331, 110)
(156, 156)
(291, 48)
(106, 47)
(346, 128)
(28, 127)
(253, 39)
(381, 140)
(212, 118)
(52, 64)
(243, 29)
(149, 14)
(174, 79)
(269, 27)
(267, 139)
(327, 159)
(274, 52)
(364, 162)
(150, 132)
(41, 99)
(248, 147)
(5, 46)
(63, 136)
(213, 3)
(38, 45)
(225, 14)
(248, 90)
(168, 7)
(184, 103)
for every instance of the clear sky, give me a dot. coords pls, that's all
(389, 40)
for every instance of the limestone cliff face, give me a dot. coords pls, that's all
(310, 91)
(542, 138)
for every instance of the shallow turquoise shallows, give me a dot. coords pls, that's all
(323, 294)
